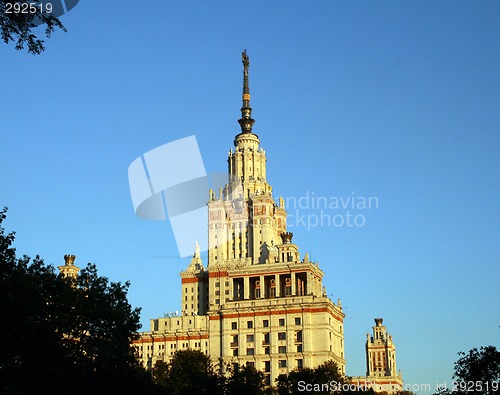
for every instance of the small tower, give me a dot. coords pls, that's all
(194, 286)
(380, 352)
(69, 269)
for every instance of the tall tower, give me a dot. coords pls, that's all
(245, 223)
(257, 302)
(380, 352)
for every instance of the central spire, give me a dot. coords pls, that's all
(246, 122)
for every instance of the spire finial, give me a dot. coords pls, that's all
(246, 122)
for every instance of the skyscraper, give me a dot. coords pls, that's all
(257, 301)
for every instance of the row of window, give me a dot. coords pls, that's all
(266, 341)
(251, 351)
(173, 346)
(265, 323)
(282, 363)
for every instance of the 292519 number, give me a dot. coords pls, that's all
(475, 386)
(28, 8)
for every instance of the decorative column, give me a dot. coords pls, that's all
(278, 285)
(246, 287)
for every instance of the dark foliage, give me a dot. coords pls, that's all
(244, 380)
(477, 371)
(62, 336)
(19, 27)
(324, 375)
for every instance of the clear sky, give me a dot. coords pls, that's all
(393, 99)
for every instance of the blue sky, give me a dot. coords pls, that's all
(393, 99)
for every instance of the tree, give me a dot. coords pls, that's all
(477, 371)
(190, 372)
(63, 336)
(244, 380)
(19, 26)
(480, 367)
(325, 379)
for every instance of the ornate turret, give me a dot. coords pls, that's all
(69, 269)
(246, 122)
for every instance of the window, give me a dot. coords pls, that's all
(297, 320)
(217, 301)
(227, 283)
(226, 291)
(300, 363)
(266, 350)
(299, 348)
(217, 284)
(281, 335)
(250, 338)
(282, 322)
(298, 337)
(265, 323)
(235, 352)
(249, 324)
(250, 351)
(267, 366)
(282, 363)
(251, 364)
(234, 325)
(266, 338)
(282, 349)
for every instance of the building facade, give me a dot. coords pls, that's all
(256, 301)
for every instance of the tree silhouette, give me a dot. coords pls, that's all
(477, 371)
(244, 380)
(324, 375)
(190, 372)
(19, 26)
(62, 336)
